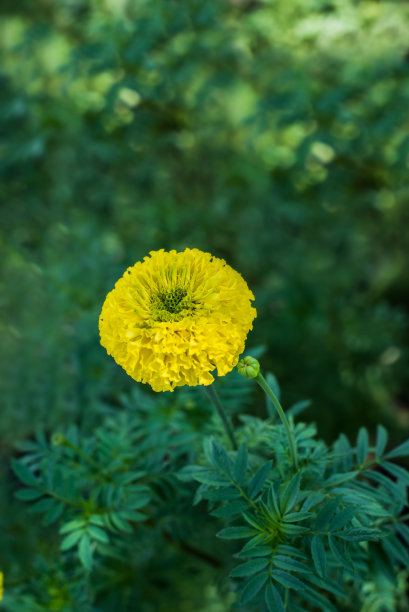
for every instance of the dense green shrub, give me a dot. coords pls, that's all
(271, 133)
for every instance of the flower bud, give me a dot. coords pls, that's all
(248, 367)
(57, 439)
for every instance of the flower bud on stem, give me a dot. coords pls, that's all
(250, 368)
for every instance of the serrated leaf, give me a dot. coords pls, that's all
(360, 534)
(257, 551)
(326, 513)
(28, 494)
(273, 599)
(362, 444)
(292, 565)
(71, 539)
(24, 473)
(400, 451)
(340, 553)
(220, 458)
(250, 567)
(318, 555)
(258, 480)
(289, 494)
(236, 533)
(381, 440)
(252, 586)
(342, 518)
(287, 580)
(85, 552)
(240, 466)
(138, 502)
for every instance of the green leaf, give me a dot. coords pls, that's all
(289, 494)
(97, 534)
(403, 531)
(252, 586)
(28, 494)
(273, 599)
(342, 518)
(318, 600)
(53, 513)
(287, 580)
(120, 523)
(223, 494)
(235, 507)
(240, 466)
(42, 505)
(400, 451)
(85, 552)
(339, 550)
(138, 502)
(362, 444)
(326, 513)
(73, 525)
(337, 479)
(258, 480)
(71, 539)
(396, 550)
(236, 533)
(397, 471)
(290, 564)
(23, 473)
(381, 440)
(318, 555)
(360, 534)
(251, 567)
(220, 458)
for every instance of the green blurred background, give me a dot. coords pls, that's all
(273, 134)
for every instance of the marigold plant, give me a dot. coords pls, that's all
(175, 317)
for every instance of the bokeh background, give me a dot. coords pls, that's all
(273, 134)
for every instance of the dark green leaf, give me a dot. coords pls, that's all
(397, 471)
(287, 580)
(28, 494)
(85, 552)
(273, 599)
(230, 509)
(381, 440)
(97, 534)
(318, 555)
(23, 473)
(258, 480)
(362, 445)
(400, 451)
(342, 518)
(250, 567)
(252, 586)
(326, 513)
(289, 494)
(236, 533)
(292, 565)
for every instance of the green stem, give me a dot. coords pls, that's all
(267, 389)
(215, 400)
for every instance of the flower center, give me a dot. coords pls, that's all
(171, 305)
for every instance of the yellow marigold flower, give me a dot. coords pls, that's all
(175, 317)
(1, 586)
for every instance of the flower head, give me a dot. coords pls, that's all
(175, 317)
(1, 585)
